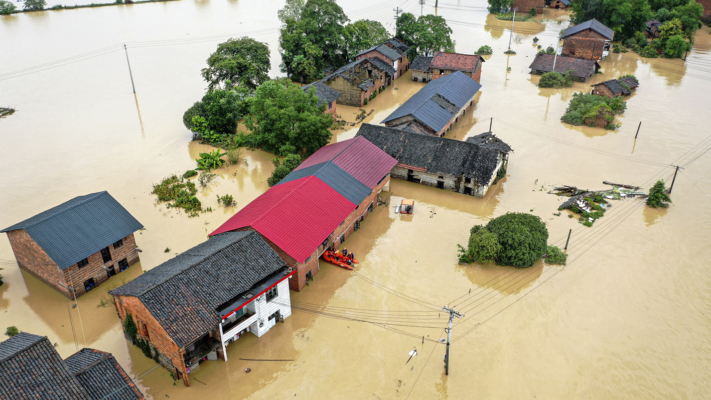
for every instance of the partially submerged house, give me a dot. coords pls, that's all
(443, 64)
(76, 245)
(615, 87)
(356, 81)
(31, 368)
(524, 6)
(560, 4)
(192, 306)
(467, 167)
(652, 28)
(588, 40)
(391, 52)
(325, 95)
(318, 205)
(582, 70)
(437, 106)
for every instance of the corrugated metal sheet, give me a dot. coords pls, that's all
(297, 216)
(335, 177)
(325, 153)
(79, 228)
(365, 161)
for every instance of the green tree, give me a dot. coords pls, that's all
(676, 47)
(325, 28)
(300, 57)
(555, 80)
(406, 28)
(292, 10)
(690, 16)
(244, 62)
(483, 246)
(668, 4)
(6, 7)
(217, 113)
(669, 29)
(35, 5)
(658, 197)
(426, 34)
(284, 119)
(499, 6)
(283, 168)
(532, 12)
(625, 17)
(364, 34)
(522, 238)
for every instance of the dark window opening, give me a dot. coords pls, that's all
(440, 185)
(307, 259)
(440, 177)
(467, 180)
(343, 238)
(118, 244)
(111, 271)
(106, 254)
(83, 263)
(330, 105)
(272, 294)
(89, 284)
(370, 207)
(123, 265)
(468, 190)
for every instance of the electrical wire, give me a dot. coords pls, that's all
(423, 367)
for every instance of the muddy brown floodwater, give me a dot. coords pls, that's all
(628, 317)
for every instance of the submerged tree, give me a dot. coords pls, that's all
(6, 7)
(658, 197)
(35, 5)
(217, 114)
(244, 62)
(425, 35)
(499, 6)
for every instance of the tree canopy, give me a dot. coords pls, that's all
(217, 114)
(300, 57)
(283, 168)
(283, 119)
(362, 35)
(6, 7)
(426, 34)
(325, 22)
(498, 6)
(244, 61)
(35, 5)
(292, 10)
(658, 197)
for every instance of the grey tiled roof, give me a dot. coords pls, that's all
(614, 86)
(335, 177)
(437, 155)
(399, 44)
(101, 376)
(31, 368)
(184, 292)
(384, 50)
(630, 81)
(421, 63)
(456, 88)
(323, 92)
(78, 228)
(383, 65)
(593, 24)
(578, 67)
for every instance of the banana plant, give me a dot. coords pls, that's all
(210, 161)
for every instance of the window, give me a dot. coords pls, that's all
(123, 265)
(307, 259)
(272, 294)
(467, 180)
(89, 284)
(330, 105)
(111, 271)
(370, 207)
(440, 185)
(83, 263)
(118, 244)
(343, 238)
(106, 254)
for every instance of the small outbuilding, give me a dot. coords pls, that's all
(560, 4)
(615, 87)
(421, 71)
(652, 30)
(443, 64)
(588, 40)
(392, 52)
(355, 82)
(76, 245)
(524, 6)
(325, 95)
(582, 70)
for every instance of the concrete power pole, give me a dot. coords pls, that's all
(452, 313)
(555, 57)
(512, 27)
(129, 69)
(397, 10)
(422, 4)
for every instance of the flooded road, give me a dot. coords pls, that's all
(628, 317)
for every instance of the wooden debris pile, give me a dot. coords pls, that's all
(592, 204)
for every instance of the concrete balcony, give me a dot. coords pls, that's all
(230, 330)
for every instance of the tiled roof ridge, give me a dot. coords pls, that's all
(104, 356)
(38, 340)
(185, 270)
(460, 54)
(94, 196)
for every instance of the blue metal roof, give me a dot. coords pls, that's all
(457, 88)
(72, 231)
(335, 177)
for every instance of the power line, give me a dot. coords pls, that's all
(423, 367)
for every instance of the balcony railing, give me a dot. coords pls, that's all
(241, 323)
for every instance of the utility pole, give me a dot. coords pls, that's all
(129, 69)
(422, 4)
(452, 313)
(568, 241)
(491, 122)
(639, 126)
(512, 27)
(555, 57)
(397, 10)
(673, 179)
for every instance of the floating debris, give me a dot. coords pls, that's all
(4, 112)
(591, 205)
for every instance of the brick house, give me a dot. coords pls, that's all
(560, 4)
(355, 82)
(582, 70)
(391, 53)
(524, 6)
(707, 7)
(443, 64)
(615, 87)
(437, 106)
(76, 245)
(192, 306)
(467, 167)
(325, 95)
(589, 40)
(318, 205)
(421, 71)
(31, 368)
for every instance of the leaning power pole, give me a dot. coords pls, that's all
(129, 69)
(452, 313)
(422, 4)
(512, 27)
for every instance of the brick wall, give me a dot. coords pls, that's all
(332, 110)
(420, 76)
(707, 7)
(380, 56)
(476, 75)
(97, 269)
(525, 5)
(171, 356)
(557, 4)
(587, 45)
(34, 260)
(602, 90)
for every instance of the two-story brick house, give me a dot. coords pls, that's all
(588, 40)
(425, 69)
(76, 245)
(391, 53)
(192, 306)
(318, 205)
(356, 81)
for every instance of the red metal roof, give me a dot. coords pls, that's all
(297, 216)
(358, 157)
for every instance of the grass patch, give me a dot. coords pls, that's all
(226, 200)
(178, 193)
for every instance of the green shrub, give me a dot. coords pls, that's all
(586, 105)
(555, 256)
(365, 101)
(500, 175)
(628, 76)
(630, 43)
(509, 52)
(234, 155)
(190, 173)
(616, 48)
(532, 12)
(550, 50)
(6, 7)
(211, 160)
(648, 52)
(178, 193)
(555, 80)
(205, 178)
(130, 327)
(485, 50)
(226, 200)
(658, 197)
(283, 168)
(12, 331)
(483, 247)
(522, 238)
(535, 39)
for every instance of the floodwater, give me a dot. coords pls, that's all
(628, 317)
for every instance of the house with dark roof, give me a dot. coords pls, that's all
(652, 28)
(325, 95)
(192, 306)
(392, 52)
(588, 40)
(31, 368)
(357, 81)
(467, 167)
(615, 87)
(421, 71)
(318, 205)
(78, 244)
(437, 106)
(582, 70)
(560, 4)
